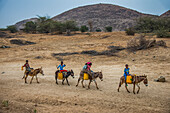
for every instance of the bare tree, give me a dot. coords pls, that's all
(90, 23)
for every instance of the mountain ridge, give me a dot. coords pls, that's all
(101, 15)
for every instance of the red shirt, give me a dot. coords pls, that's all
(26, 65)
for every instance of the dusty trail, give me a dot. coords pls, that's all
(47, 97)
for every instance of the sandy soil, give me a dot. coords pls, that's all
(47, 97)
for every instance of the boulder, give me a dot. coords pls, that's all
(160, 79)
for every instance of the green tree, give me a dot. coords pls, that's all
(12, 29)
(30, 27)
(108, 29)
(84, 28)
(69, 26)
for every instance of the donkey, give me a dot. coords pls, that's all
(94, 77)
(33, 73)
(65, 76)
(137, 79)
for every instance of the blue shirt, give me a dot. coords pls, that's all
(84, 67)
(126, 71)
(61, 67)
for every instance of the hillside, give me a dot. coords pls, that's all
(166, 14)
(102, 15)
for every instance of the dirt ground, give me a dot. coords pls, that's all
(47, 97)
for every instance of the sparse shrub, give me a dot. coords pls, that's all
(84, 28)
(108, 29)
(98, 30)
(3, 29)
(130, 31)
(139, 43)
(5, 103)
(30, 27)
(12, 29)
(162, 34)
(150, 24)
(69, 26)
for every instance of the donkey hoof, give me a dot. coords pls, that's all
(97, 88)
(38, 82)
(68, 84)
(83, 87)
(76, 85)
(133, 92)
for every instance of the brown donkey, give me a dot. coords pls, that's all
(34, 73)
(136, 80)
(94, 77)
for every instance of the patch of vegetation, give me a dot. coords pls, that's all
(98, 30)
(84, 28)
(159, 26)
(5, 103)
(108, 29)
(162, 33)
(3, 29)
(12, 29)
(140, 43)
(21, 42)
(30, 27)
(130, 31)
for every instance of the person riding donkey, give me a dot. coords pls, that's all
(27, 68)
(86, 69)
(61, 66)
(127, 73)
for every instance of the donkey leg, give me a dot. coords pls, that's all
(82, 83)
(127, 88)
(37, 79)
(96, 84)
(134, 88)
(119, 86)
(78, 82)
(31, 79)
(89, 84)
(56, 76)
(67, 82)
(26, 78)
(138, 88)
(63, 81)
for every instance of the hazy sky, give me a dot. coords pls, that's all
(12, 11)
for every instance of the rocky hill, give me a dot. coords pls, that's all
(166, 14)
(101, 15)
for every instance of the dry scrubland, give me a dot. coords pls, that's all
(47, 97)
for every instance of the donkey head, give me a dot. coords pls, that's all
(145, 81)
(101, 76)
(41, 71)
(72, 73)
